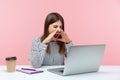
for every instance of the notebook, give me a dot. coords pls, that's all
(29, 71)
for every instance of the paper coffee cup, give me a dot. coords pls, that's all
(11, 64)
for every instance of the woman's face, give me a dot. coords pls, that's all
(54, 26)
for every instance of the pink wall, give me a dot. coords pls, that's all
(87, 22)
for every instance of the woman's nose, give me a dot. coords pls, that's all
(58, 29)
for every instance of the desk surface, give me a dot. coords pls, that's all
(105, 73)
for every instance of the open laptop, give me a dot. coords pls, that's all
(81, 59)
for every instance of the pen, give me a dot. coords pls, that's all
(28, 69)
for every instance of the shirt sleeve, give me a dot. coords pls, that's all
(38, 51)
(68, 47)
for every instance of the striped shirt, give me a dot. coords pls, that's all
(39, 57)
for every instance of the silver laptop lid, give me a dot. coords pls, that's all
(84, 58)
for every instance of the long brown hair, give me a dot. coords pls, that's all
(51, 18)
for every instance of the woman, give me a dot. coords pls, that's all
(52, 47)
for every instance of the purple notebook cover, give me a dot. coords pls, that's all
(29, 71)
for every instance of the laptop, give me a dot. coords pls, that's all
(81, 59)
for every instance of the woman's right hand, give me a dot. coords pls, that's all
(50, 37)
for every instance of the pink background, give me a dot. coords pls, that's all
(86, 22)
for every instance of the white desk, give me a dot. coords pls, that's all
(105, 73)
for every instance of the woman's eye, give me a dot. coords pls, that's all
(55, 26)
(61, 27)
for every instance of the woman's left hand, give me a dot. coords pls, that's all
(64, 38)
